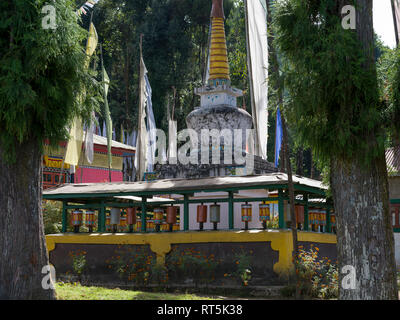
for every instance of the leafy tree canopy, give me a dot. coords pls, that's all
(333, 99)
(41, 73)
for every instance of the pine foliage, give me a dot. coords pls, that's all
(41, 73)
(333, 99)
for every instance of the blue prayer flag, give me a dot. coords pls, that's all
(278, 136)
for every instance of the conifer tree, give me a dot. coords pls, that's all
(333, 102)
(41, 75)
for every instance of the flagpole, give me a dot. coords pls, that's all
(276, 131)
(139, 140)
(105, 97)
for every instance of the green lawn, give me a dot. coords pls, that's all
(69, 291)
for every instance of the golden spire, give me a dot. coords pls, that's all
(219, 67)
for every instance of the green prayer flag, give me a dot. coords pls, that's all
(107, 116)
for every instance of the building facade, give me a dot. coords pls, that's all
(55, 171)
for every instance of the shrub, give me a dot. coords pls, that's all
(136, 265)
(243, 267)
(78, 262)
(317, 278)
(190, 264)
(52, 217)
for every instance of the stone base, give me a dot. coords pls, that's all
(195, 171)
(221, 117)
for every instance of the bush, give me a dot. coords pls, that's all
(79, 264)
(317, 278)
(191, 265)
(52, 217)
(134, 264)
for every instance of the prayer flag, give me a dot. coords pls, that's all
(278, 136)
(257, 53)
(107, 116)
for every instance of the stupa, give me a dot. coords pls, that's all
(218, 111)
(218, 100)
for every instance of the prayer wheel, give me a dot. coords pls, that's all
(108, 225)
(201, 215)
(77, 217)
(265, 214)
(323, 218)
(139, 226)
(158, 218)
(171, 216)
(333, 220)
(246, 214)
(215, 215)
(90, 220)
(131, 218)
(115, 218)
(299, 210)
(150, 225)
(313, 216)
(319, 219)
(122, 224)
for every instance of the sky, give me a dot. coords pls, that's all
(383, 22)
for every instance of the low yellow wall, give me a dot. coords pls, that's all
(160, 243)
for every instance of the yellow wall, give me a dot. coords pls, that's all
(160, 243)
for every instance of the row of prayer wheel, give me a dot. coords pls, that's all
(246, 213)
(77, 219)
(115, 220)
(317, 217)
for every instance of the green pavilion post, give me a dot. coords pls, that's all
(186, 212)
(102, 218)
(281, 208)
(306, 221)
(144, 213)
(231, 211)
(328, 220)
(64, 217)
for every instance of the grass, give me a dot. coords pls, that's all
(75, 291)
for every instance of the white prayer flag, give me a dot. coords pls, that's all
(142, 139)
(257, 47)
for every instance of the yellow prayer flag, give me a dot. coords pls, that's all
(75, 143)
(91, 42)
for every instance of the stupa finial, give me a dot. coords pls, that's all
(219, 67)
(217, 10)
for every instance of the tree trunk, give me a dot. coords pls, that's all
(299, 161)
(23, 247)
(293, 221)
(361, 200)
(364, 232)
(127, 89)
